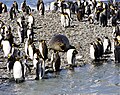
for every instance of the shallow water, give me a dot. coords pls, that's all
(89, 79)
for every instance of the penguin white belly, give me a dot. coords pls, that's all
(69, 56)
(68, 12)
(26, 47)
(62, 20)
(92, 51)
(113, 48)
(28, 33)
(52, 6)
(19, 33)
(67, 21)
(30, 19)
(1, 37)
(30, 51)
(6, 48)
(17, 70)
(41, 49)
(113, 34)
(19, 21)
(78, 2)
(105, 44)
(35, 61)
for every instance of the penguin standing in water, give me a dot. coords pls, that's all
(18, 71)
(43, 54)
(106, 45)
(99, 44)
(96, 50)
(56, 62)
(37, 64)
(71, 55)
(40, 7)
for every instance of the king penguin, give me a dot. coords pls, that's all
(40, 7)
(15, 4)
(23, 5)
(65, 15)
(71, 55)
(12, 12)
(10, 63)
(56, 62)
(43, 53)
(65, 20)
(21, 28)
(18, 71)
(6, 47)
(31, 49)
(92, 51)
(106, 45)
(30, 21)
(37, 64)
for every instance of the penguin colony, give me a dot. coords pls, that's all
(95, 12)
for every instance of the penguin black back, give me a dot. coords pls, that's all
(56, 62)
(43, 49)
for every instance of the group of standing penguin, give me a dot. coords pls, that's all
(17, 60)
(18, 65)
(99, 48)
(92, 10)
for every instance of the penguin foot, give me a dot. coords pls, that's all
(37, 78)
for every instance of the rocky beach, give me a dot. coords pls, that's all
(80, 35)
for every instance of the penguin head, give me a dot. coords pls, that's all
(42, 41)
(106, 37)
